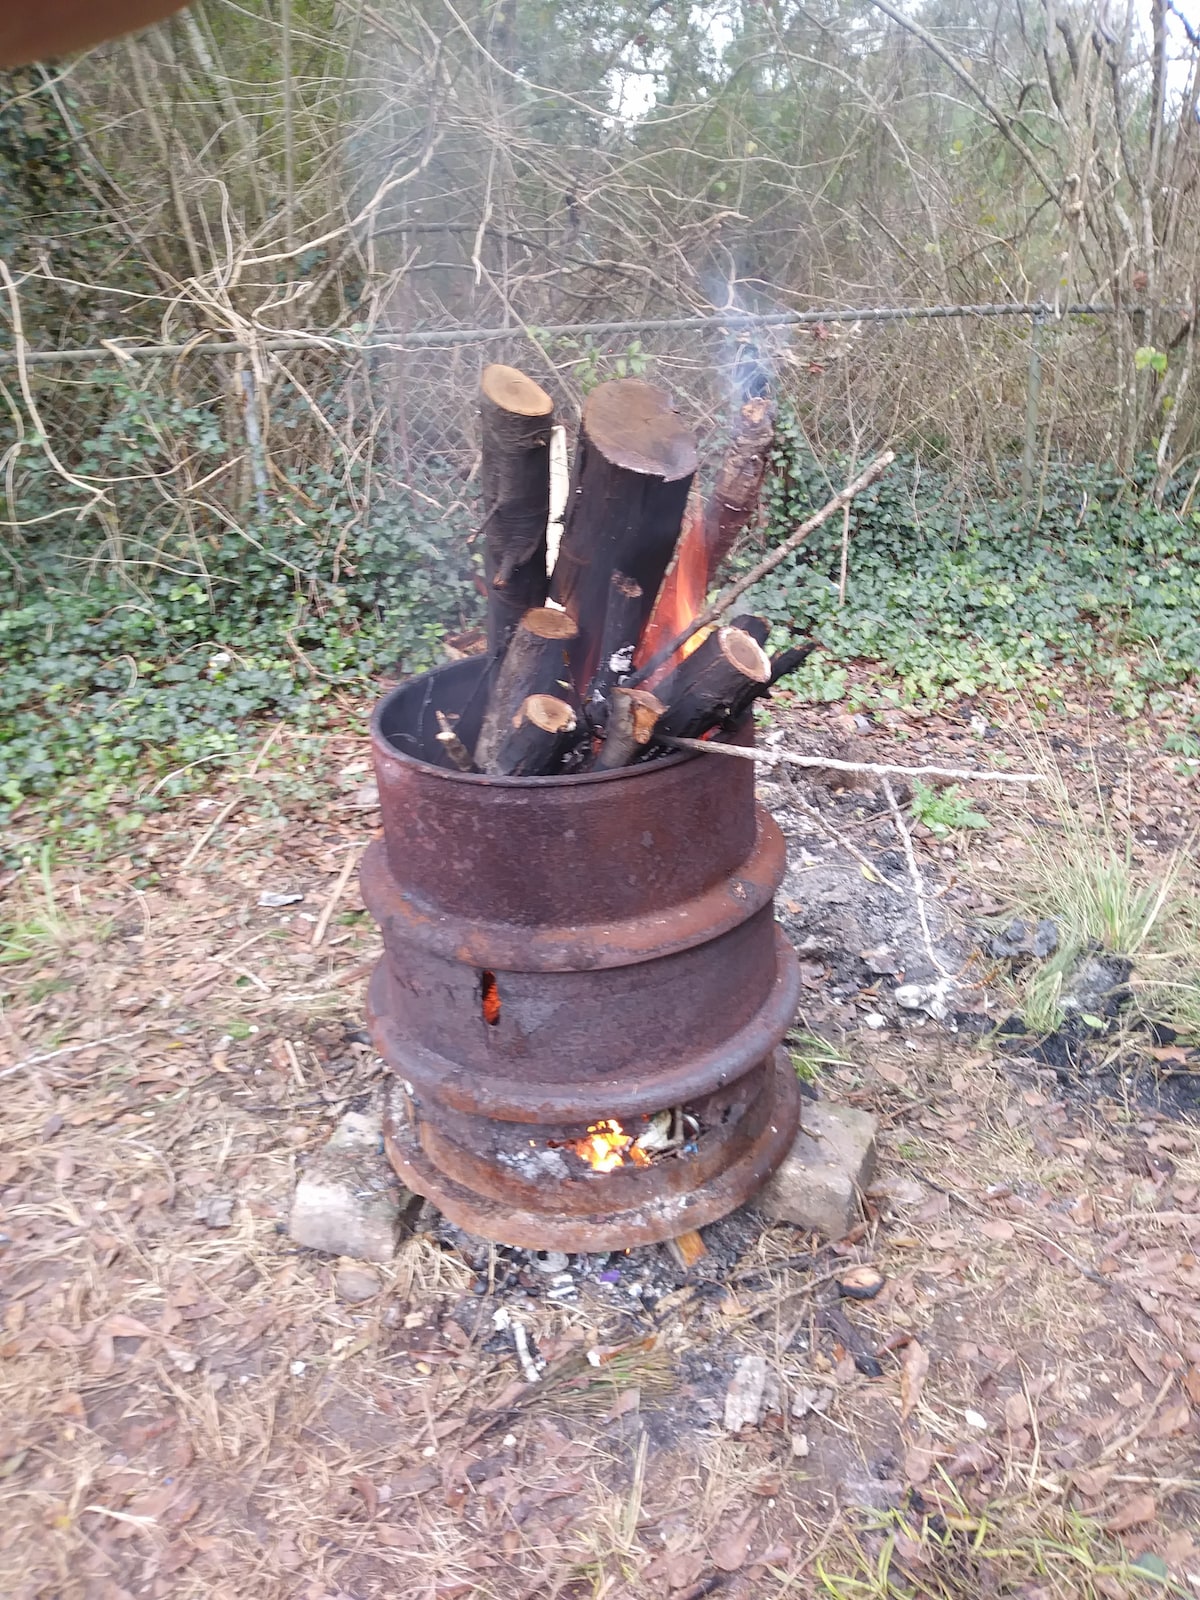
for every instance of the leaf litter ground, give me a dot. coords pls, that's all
(192, 1406)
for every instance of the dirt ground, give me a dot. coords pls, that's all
(191, 1406)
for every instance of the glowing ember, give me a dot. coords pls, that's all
(682, 594)
(607, 1145)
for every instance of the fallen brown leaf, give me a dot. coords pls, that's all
(1132, 1513)
(914, 1366)
(730, 1551)
(1016, 1412)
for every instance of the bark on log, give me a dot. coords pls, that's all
(734, 499)
(632, 718)
(622, 622)
(781, 664)
(516, 416)
(633, 468)
(702, 690)
(757, 627)
(544, 729)
(536, 662)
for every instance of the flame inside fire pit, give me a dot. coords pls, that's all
(606, 1145)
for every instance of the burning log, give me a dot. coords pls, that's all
(735, 495)
(536, 662)
(702, 690)
(632, 719)
(781, 664)
(622, 621)
(710, 534)
(543, 731)
(633, 469)
(757, 627)
(516, 416)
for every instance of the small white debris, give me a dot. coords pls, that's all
(215, 1210)
(528, 1365)
(874, 1019)
(501, 1319)
(975, 1419)
(271, 899)
(931, 998)
(593, 1358)
(297, 1368)
(799, 1445)
(753, 1391)
(551, 1262)
(658, 1135)
(811, 1400)
(183, 1360)
(508, 1441)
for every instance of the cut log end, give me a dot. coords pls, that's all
(548, 622)
(744, 652)
(515, 392)
(547, 712)
(633, 717)
(635, 426)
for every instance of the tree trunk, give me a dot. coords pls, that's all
(703, 689)
(544, 729)
(516, 417)
(633, 468)
(536, 662)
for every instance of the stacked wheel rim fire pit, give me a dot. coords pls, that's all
(583, 991)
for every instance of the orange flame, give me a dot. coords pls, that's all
(682, 595)
(606, 1145)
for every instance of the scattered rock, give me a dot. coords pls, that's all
(753, 1391)
(931, 998)
(1022, 939)
(861, 1283)
(820, 1179)
(551, 1261)
(874, 1020)
(215, 1210)
(799, 1445)
(1098, 985)
(356, 1284)
(883, 961)
(348, 1201)
(810, 1400)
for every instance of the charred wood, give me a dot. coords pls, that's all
(543, 731)
(536, 662)
(781, 664)
(702, 690)
(622, 621)
(516, 416)
(632, 718)
(633, 469)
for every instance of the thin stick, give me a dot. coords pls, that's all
(226, 810)
(914, 874)
(770, 758)
(88, 1044)
(343, 878)
(735, 591)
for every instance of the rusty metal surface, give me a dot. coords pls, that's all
(608, 1226)
(562, 950)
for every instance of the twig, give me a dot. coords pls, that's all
(226, 810)
(768, 564)
(343, 878)
(74, 1049)
(1141, 1425)
(772, 757)
(850, 849)
(914, 874)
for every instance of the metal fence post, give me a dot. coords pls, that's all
(1033, 394)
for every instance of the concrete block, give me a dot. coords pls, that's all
(348, 1201)
(822, 1176)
